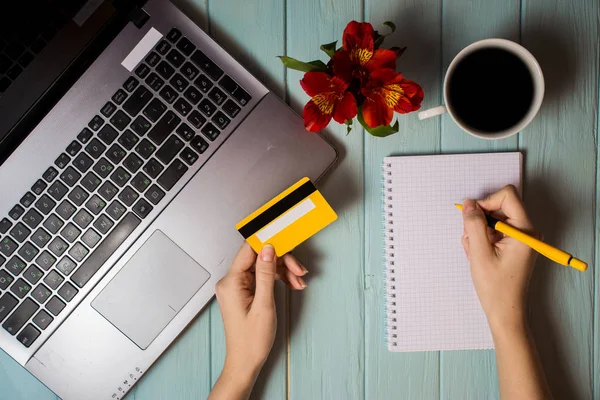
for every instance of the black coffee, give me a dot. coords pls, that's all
(490, 90)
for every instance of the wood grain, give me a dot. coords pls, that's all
(327, 338)
(399, 375)
(560, 186)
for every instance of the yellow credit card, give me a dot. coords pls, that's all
(288, 219)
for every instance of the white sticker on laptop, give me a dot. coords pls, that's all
(141, 49)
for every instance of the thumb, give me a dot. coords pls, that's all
(266, 268)
(476, 230)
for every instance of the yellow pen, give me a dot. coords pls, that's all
(556, 255)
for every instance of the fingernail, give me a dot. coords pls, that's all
(302, 283)
(267, 253)
(468, 206)
(304, 269)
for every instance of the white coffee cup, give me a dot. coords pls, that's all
(536, 75)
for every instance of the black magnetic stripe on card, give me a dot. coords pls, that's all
(277, 209)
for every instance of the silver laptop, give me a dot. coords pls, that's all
(119, 195)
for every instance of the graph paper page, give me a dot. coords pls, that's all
(431, 300)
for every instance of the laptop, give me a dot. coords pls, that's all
(131, 144)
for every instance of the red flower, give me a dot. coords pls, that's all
(387, 91)
(329, 100)
(358, 55)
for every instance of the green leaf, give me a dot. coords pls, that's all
(312, 66)
(380, 131)
(390, 25)
(329, 48)
(379, 38)
(348, 126)
(399, 51)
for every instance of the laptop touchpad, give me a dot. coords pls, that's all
(150, 289)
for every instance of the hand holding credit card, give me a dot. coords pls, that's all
(288, 219)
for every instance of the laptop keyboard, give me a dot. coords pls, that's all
(120, 166)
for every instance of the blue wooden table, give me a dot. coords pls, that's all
(331, 340)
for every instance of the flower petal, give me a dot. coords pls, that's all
(375, 112)
(346, 109)
(358, 35)
(314, 83)
(314, 119)
(404, 106)
(342, 65)
(382, 58)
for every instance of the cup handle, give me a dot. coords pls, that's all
(432, 112)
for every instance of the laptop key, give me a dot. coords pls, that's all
(20, 316)
(193, 95)
(153, 168)
(165, 70)
(188, 156)
(173, 35)
(65, 209)
(38, 187)
(154, 110)
(7, 304)
(120, 177)
(128, 139)
(116, 153)
(137, 101)
(95, 148)
(28, 251)
(130, 84)
(62, 161)
(53, 224)
(142, 208)
(203, 83)
(168, 94)
(14, 72)
(152, 59)
(186, 46)
(116, 210)
(172, 174)
(155, 82)
(164, 127)
(169, 149)
(108, 134)
(33, 275)
(221, 120)
(142, 70)
(16, 212)
(42, 319)
(231, 108)
(83, 219)
(5, 280)
(67, 292)
(85, 135)
(8, 246)
(70, 232)
(184, 131)
(20, 232)
(90, 238)
(210, 131)
(207, 65)
(45, 260)
(78, 252)
(189, 71)
(182, 107)
(132, 163)
(28, 335)
(5, 225)
(55, 306)
(40, 238)
(90, 181)
(70, 176)
(108, 109)
(95, 204)
(50, 174)
(207, 107)
(228, 84)
(66, 265)
(15, 265)
(4, 84)
(73, 148)
(155, 194)
(41, 293)
(128, 196)
(179, 82)
(83, 162)
(33, 218)
(57, 190)
(96, 123)
(106, 248)
(140, 182)
(20, 288)
(107, 191)
(145, 148)
(217, 96)
(140, 125)
(119, 96)
(120, 120)
(175, 58)
(163, 47)
(241, 96)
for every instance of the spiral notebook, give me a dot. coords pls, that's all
(431, 302)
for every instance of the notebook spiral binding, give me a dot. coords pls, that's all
(389, 256)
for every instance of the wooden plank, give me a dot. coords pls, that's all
(414, 375)
(465, 22)
(17, 383)
(253, 32)
(472, 374)
(326, 319)
(560, 186)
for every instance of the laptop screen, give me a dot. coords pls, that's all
(45, 45)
